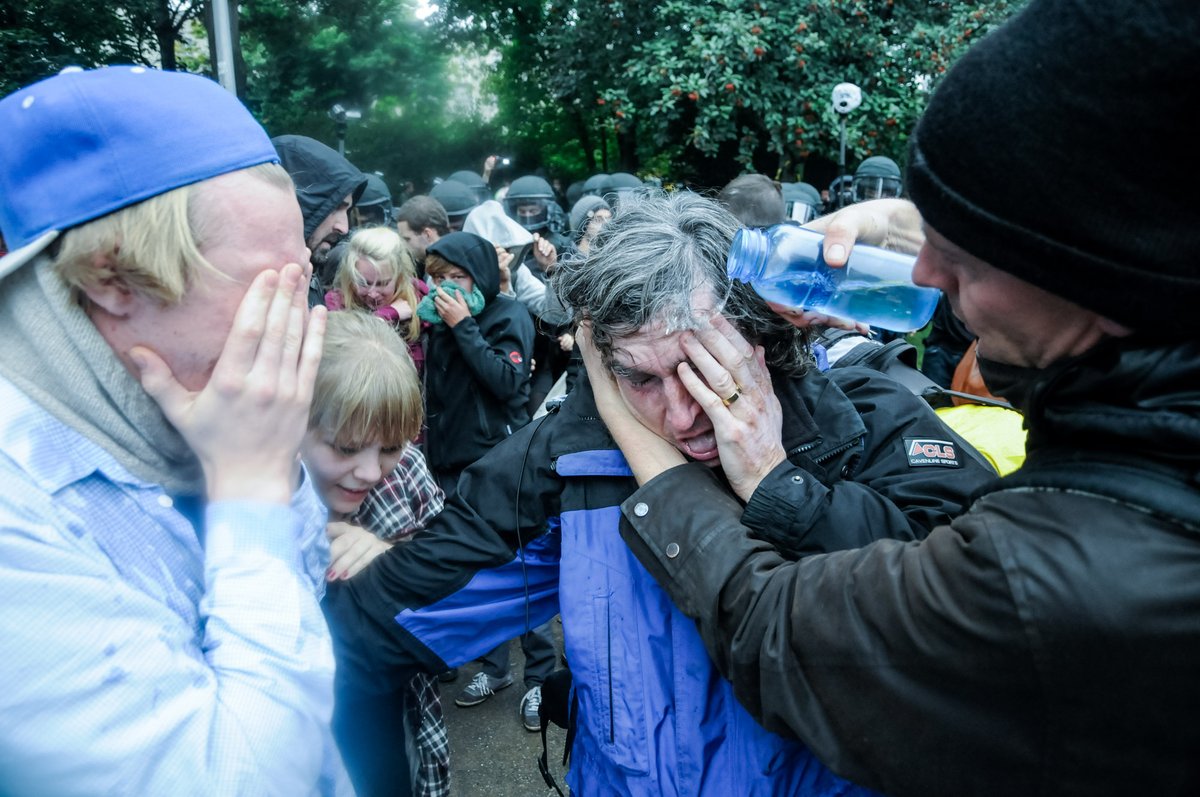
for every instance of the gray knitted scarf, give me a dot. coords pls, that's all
(50, 349)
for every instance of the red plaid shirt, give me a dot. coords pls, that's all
(398, 507)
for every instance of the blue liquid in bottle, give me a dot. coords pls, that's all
(785, 264)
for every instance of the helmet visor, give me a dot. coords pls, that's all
(875, 188)
(801, 212)
(532, 214)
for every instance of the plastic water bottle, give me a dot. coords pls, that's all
(786, 264)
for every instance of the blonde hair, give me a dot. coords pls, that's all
(384, 249)
(367, 389)
(152, 247)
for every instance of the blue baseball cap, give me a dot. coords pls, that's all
(85, 143)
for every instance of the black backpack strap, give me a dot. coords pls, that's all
(1171, 493)
(898, 359)
(560, 705)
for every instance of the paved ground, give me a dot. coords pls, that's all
(491, 753)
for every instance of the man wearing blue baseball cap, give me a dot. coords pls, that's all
(160, 571)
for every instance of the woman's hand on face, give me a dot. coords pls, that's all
(729, 379)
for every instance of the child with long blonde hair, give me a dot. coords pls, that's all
(376, 275)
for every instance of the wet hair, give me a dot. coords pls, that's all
(367, 389)
(383, 248)
(648, 262)
(152, 247)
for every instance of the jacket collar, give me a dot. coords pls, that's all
(1125, 394)
(818, 419)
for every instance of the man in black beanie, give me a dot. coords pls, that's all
(1048, 640)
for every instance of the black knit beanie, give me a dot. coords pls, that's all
(1053, 150)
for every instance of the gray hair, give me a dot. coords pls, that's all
(646, 265)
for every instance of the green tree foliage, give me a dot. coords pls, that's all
(702, 89)
(686, 90)
(546, 80)
(38, 38)
(372, 56)
(754, 80)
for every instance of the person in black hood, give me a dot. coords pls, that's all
(327, 186)
(477, 359)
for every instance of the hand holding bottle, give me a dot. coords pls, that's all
(802, 268)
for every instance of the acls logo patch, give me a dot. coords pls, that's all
(924, 453)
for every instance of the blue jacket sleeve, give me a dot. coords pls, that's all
(482, 572)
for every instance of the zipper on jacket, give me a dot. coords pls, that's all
(612, 709)
(806, 447)
(828, 455)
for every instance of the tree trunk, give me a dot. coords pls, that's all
(585, 141)
(627, 147)
(164, 31)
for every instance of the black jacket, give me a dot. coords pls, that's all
(847, 429)
(323, 178)
(653, 717)
(476, 373)
(1045, 642)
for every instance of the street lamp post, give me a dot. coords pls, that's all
(222, 37)
(846, 97)
(340, 115)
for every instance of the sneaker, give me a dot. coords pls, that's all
(448, 676)
(529, 709)
(482, 687)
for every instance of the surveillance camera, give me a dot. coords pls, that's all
(846, 97)
(339, 113)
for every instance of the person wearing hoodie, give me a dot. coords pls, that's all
(327, 186)
(477, 358)
(514, 247)
(529, 258)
